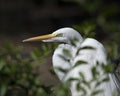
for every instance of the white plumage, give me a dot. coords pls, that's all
(90, 56)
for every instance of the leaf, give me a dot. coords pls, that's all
(35, 54)
(96, 92)
(87, 84)
(94, 71)
(82, 75)
(80, 88)
(62, 90)
(72, 79)
(87, 47)
(79, 62)
(64, 58)
(67, 52)
(108, 68)
(98, 84)
(73, 41)
(40, 92)
(62, 70)
(46, 50)
(105, 79)
(3, 89)
(2, 64)
(84, 48)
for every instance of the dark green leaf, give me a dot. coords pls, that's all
(108, 68)
(82, 75)
(105, 79)
(79, 62)
(2, 64)
(3, 89)
(46, 50)
(67, 52)
(87, 47)
(64, 58)
(98, 83)
(95, 72)
(87, 84)
(74, 41)
(78, 88)
(96, 92)
(84, 48)
(81, 89)
(62, 70)
(72, 79)
(35, 54)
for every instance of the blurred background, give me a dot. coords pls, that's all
(24, 18)
(21, 19)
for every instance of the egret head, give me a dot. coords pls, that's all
(61, 35)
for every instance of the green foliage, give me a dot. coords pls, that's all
(102, 16)
(95, 70)
(65, 71)
(17, 73)
(86, 29)
(62, 90)
(67, 53)
(79, 62)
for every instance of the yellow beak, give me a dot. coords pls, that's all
(38, 38)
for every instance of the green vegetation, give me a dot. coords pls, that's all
(17, 71)
(18, 76)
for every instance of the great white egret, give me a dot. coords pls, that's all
(65, 36)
